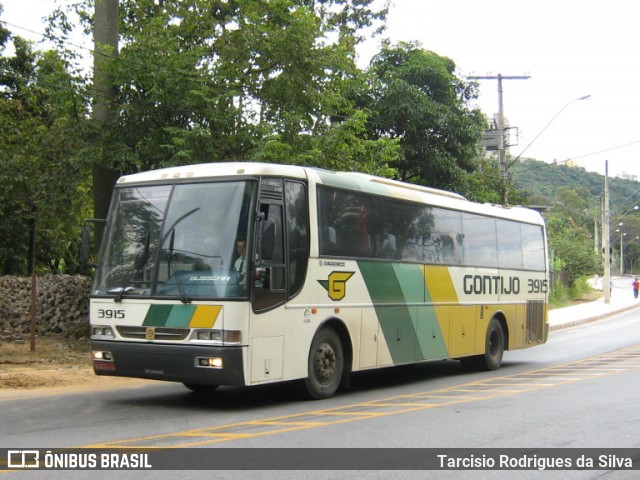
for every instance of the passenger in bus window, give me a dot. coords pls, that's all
(240, 264)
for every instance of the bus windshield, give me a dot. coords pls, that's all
(177, 241)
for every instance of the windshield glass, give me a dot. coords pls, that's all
(176, 241)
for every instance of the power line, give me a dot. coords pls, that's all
(607, 149)
(52, 38)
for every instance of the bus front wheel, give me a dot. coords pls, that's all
(325, 364)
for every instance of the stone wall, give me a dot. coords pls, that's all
(62, 306)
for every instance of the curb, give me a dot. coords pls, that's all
(594, 318)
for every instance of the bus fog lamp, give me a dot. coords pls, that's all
(211, 362)
(102, 356)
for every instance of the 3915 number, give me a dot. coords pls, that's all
(111, 314)
(537, 286)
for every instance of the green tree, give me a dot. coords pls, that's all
(485, 184)
(42, 173)
(202, 80)
(572, 247)
(418, 99)
(342, 146)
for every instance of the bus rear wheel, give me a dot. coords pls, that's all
(494, 349)
(325, 364)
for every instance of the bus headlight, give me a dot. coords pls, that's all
(209, 336)
(223, 337)
(102, 331)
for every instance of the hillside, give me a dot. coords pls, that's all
(538, 181)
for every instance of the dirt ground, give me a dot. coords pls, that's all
(56, 363)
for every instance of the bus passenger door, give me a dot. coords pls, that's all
(269, 272)
(282, 253)
(267, 282)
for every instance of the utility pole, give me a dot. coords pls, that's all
(606, 243)
(502, 150)
(105, 35)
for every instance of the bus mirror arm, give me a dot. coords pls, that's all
(85, 245)
(266, 238)
(260, 216)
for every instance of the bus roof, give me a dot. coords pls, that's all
(346, 180)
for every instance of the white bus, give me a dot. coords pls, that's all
(248, 273)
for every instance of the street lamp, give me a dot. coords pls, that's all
(584, 97)
(621, 251)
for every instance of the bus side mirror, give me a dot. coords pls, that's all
(85, 244)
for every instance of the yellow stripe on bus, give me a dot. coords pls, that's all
(439, 284)
(205, 316)
(443, 294)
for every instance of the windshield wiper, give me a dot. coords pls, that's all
(171, 231)
(121, 292)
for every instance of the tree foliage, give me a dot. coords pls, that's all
(42, 173)
(206, 81)
(572, 249)
(225, 80)
(419, 100)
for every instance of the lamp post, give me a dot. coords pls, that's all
(621, 251)
(584, 97)
(606, 254)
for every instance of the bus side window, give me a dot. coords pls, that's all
(297, 225)
(273, 226)
(270, 272)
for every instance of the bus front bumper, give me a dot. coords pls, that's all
(195, 364)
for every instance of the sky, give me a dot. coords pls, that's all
(568, 48)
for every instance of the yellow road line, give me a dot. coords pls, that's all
(594, 367)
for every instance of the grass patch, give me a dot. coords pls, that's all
(49, 351)
(580, 291)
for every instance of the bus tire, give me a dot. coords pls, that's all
(493, 350)
(494, 347)
(325, 364)
(200, 388)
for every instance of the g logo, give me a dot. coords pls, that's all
(150, 333)
(336, 284)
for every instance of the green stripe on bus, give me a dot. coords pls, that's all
(411, 332)
(180, 316)
(157, 315)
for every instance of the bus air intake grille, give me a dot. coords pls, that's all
(535, 321)
(159, 333)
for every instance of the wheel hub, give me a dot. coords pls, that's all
(325, 362)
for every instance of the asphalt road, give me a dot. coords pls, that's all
(580, 390)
